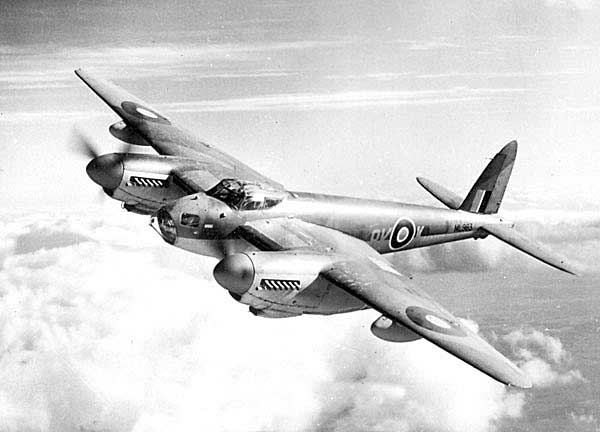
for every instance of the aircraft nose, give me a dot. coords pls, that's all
(106, 170)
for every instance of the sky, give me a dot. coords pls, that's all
(346, 97)
(309, 92)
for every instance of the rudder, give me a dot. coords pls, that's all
(486, 194)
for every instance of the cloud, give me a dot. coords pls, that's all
(573, 4)
(583, 420)
(514, 74)
(542, 357)
(105, 327)
(295, 102)
(31, 69)
(50, 116)
(409, 387)
(431, 45)
(342, 100)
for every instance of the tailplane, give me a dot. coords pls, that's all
(486, 194)
(447, 197)
(519, 241)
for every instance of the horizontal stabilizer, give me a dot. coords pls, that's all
(448, 198)
(519, 241)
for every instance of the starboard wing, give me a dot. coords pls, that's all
(386, 291)
(358, 269)
(168, 139)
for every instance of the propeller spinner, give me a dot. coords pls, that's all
(106, 170)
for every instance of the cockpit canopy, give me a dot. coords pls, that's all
(245, 195)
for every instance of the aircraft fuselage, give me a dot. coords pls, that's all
(204, 225)
(386, 226)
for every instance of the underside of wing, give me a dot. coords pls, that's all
(386, 291)
(359, 270)
(156, 130)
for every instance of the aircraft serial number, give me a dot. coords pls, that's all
(463, 227)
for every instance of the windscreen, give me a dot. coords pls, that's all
(246, 196)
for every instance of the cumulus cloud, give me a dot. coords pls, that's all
(104, 327)
(411, 387)
(542, 357)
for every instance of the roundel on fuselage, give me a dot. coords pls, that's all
(143, 113)
(402, 234)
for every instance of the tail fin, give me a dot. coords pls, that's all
(486, 194)
(485, 197)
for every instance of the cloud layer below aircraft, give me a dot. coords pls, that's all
(104, 327)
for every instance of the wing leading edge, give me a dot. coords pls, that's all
(359, 270)
(168, 139)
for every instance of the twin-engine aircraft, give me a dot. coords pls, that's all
(287, 253)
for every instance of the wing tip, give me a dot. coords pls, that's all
(516, 239)
(507, 373)
(83, 76)
(521, 381)
(565, 267)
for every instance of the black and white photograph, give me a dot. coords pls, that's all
(299, 216)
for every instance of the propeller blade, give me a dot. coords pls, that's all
(83, 145)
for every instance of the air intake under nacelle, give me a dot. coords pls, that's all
(121, 131)
(391, 331)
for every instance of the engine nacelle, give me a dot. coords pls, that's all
(278, 271)
(391, 331)
(121, 131)
(143, 182)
